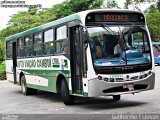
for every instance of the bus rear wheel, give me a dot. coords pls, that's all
(116, 97)
(25, 89)
(67, 99)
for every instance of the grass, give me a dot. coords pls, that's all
(2, 71)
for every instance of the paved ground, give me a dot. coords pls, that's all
(12, 101)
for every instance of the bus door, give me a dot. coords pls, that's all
(14, 57)
(76, 60)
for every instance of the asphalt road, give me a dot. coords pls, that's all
(13, 102)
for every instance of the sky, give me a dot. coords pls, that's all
(5, 13)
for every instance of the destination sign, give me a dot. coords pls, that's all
(115, 17)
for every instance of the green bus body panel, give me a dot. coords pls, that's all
(48, 25)
(51, 85)
(85, 94)
(52, 80)
(50, 75)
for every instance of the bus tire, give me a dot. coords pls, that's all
(25, 89)
(116, 97)
(67, 99)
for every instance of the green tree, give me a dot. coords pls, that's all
(134, 3)
(154, 25)
(34, 17)
(73, 6)
(25, 20)
(111, 4)
(151, 9)
(158, 6)
(127, 3)
(20, 22)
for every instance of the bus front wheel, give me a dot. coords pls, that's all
(67, 99)
(116, 97)
(25, 89)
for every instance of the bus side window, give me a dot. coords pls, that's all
(37, 45)
(9, 49)
(61, 39)
(20, 46)
(48, 42)
(28, 47)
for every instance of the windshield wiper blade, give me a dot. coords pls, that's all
(104, 27)
(131, 28)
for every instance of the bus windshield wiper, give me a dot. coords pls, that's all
(124, 43)
(131, 29)
(104, 27)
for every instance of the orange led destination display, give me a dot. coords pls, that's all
(115, 17)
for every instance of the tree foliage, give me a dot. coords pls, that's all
(110, 4)
(152, 15)
(33, 17)
(134, 3)
(153, 20)
(127, 3)
(153, 8)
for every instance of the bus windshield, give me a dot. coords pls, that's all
(119, 45)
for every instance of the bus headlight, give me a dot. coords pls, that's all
(149, 72)
(106, 79)
(100, 77)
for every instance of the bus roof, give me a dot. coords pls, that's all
(80, 16)
(44, 26)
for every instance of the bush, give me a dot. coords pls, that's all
(2, 76)
(2, 71)
(1, 52)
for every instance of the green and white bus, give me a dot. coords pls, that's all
(77, 56)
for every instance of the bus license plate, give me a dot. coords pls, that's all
(130, 86)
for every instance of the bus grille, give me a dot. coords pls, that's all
(121, 89)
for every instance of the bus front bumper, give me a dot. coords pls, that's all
(98, 87)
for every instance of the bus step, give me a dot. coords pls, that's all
(75, 94)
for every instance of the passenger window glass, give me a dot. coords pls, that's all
(61, 46)
(9, 49)
(48, 42)
(141, 39)
(28, 41)
(61, 41)
(62, 32)
(38, 44)
(20, 45)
